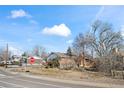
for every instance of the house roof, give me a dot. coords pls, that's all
(35, 57)
(62, 55)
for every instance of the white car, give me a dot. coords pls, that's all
(4, 62)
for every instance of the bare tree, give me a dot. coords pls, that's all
(3, 54)
(79, 44)
(83, 44)
(104, 39)
(100, 40)
(39, 51)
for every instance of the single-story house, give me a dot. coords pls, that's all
(64, 60)
(86, 62)
(15, 58)
(37, 60)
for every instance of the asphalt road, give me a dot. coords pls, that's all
(9, 80)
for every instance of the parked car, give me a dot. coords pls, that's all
(4, 62)
(9, 63)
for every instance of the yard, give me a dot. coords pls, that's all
(63, 74)
(85, 76)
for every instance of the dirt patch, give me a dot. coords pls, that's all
(57, 73)
(87, 76)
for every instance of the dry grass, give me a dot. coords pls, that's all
(68, 74)
(54, 72)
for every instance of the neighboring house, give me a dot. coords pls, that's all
(64, 60)
(38, 60)
(15, 58)
(86, 62)
(118, 59)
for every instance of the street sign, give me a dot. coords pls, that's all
(32, 60)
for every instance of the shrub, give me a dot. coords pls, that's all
(16, 63)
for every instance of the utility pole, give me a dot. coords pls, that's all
(6, 55)
(123, 66)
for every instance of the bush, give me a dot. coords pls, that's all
(16, 63)
(53, 64)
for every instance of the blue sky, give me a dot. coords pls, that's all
(53, 27)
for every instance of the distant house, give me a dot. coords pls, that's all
(64, 60)
(15, 58)
(118, 59)
(38, 60)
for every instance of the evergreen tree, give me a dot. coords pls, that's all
(69, 51)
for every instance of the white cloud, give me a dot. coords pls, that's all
(99, 13)
(2, 40)
(122, 30)
(59, 30)
(69, 41)
(19, 14)
(14, 24)
(33, 22)
(123, 33)
(15, 51)
(29, 40)
(111, 14)
(12, 46)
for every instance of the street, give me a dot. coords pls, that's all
(9, 80)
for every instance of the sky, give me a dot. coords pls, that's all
(53, 27)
